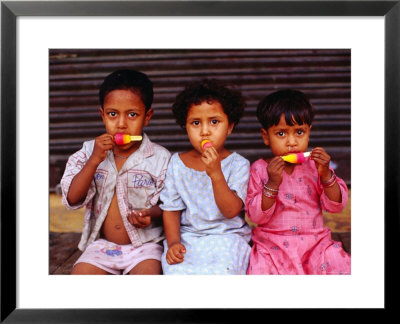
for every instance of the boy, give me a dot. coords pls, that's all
(119, 184)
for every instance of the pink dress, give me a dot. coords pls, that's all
(290, 237)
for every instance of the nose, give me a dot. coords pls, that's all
(291, 141)
(205, 130)
(122, 121)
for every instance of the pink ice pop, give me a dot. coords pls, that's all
(296, 157)
(121, 139)
(205, 144)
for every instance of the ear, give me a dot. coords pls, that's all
(230, 128)
(148, 116)
(265, 136)
(101, 113)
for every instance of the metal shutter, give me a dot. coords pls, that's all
(323, 74)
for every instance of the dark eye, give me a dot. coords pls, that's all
(132, 114)
(281, 133)
(196, 123)
(300, 132)
(112, 114)
(214, 122)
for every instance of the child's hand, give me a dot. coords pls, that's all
(175, 253)
(212, 161)
(322, 160)
(140, 218)
(102, 145)
(275, 168)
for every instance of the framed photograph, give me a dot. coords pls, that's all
(371, 29)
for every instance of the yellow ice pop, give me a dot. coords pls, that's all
(296, 157)
(121, 139)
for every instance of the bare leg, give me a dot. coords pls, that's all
(87, 269)
(147, 267)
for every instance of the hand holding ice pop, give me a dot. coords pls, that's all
(322, 161)
(296, 157)
(102, 145)
(121, 139)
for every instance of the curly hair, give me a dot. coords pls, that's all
(208, 90)
(293, 104)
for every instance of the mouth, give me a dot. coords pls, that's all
(292, 152)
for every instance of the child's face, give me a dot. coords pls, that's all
(124, 112)
(208, 121)
(283, 138)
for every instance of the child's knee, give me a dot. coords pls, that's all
(83, 268)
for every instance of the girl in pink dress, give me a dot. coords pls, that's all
(286, 200)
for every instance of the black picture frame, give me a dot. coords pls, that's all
(10, 10)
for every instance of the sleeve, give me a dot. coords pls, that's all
(170, 197)
(239, 178)
(254, 198)
(164, 160)
(333, 206)
(74, 165)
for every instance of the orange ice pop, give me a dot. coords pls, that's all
(205, 144)
(121, 139)
(296, 157)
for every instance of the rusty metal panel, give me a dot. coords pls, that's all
(323, 74)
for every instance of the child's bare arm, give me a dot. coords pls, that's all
(81, 182)
(172, 225)
(155, 211)
(227, 201)
(322, 160)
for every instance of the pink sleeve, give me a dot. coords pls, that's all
(333, 206)
(254, 197)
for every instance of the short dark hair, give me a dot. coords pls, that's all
(208, 90)
(135, 81)
(293, 104)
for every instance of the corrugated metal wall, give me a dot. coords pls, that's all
(324, 75)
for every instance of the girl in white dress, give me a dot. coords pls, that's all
(205, 188)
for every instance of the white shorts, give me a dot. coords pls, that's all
(115, 258)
